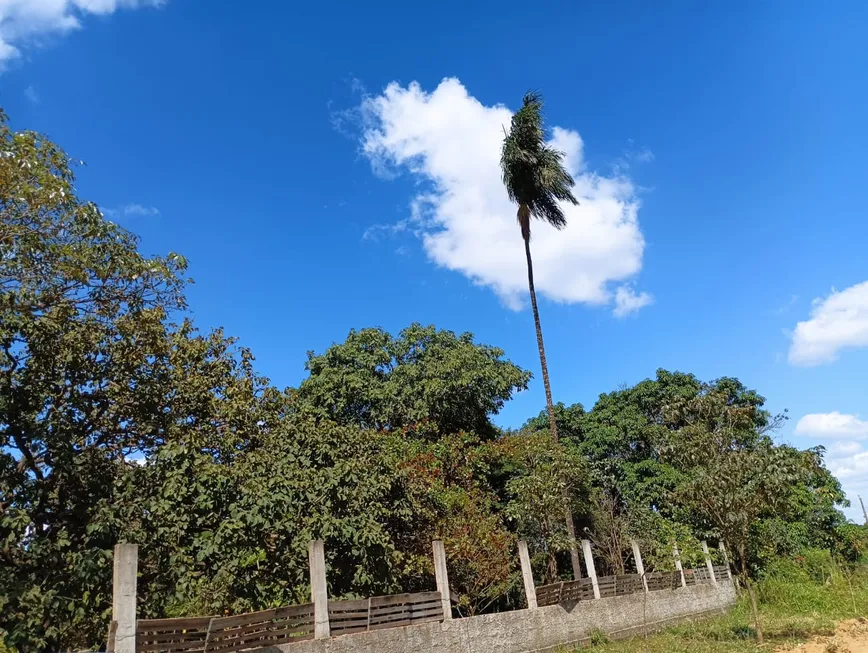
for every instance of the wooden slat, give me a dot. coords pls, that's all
(349, 630)
(349, 617)
(400, 599)
(260, 628)
(174, 646)
(183, 623)
(390, 624)
(230, 646)
(286, 613)
(344, 606)
(256, 640)
(158, 638)
(394, 609)
(418, 615)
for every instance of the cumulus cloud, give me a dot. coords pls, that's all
(846, 457)
(837, 322)
(27, 22)
(833, 425)
(450, 142)
(628, 301)
(139, 210)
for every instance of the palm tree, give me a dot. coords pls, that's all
(536, 180)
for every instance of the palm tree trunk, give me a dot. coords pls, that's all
(553, 427)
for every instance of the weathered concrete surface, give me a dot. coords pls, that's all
(126, 561)
(542, 629)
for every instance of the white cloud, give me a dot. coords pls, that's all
(27, 22)
(629, 301)
(451, 142)
(848, 461)
(844, 449)
(139, 210)
(31, 94)
(849, 469)
(833, 425)
(837, 322)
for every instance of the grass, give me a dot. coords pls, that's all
(793, 608)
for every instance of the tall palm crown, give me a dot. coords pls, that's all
(533, 171)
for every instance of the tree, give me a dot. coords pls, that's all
(544, 477)
(93, 377)
(425, 382)
(732, 473)
(535, 179)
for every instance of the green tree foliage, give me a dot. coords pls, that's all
(120, 421)
(424, 382)
(731, 473)
(541, 475)
(93, 375)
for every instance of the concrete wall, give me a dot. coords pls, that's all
(543, 629)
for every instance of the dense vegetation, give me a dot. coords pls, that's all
(799, 598)
(119, 421)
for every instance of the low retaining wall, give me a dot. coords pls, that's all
(544, 629)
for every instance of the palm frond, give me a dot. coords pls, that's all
(532, 171)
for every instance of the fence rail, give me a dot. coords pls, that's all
(283, 625)
(565, 592)
(378, 612)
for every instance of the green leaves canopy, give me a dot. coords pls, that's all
(423, 383)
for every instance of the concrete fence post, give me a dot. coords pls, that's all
(125, 571)
(640, 566)
(678, 564)
(527, 575)
(708, 563)
(442, 576)
(318, 589)
(589, 563)
(722, 548)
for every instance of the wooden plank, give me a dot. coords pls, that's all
(424, 597)
(156, 638)
(401, 599)
(344, 606)
(183, 623)
(258, 640)
(391, 624)
(174, 646)
(347, 631)
(285, 613)
(259, 630)
(436, 611)
(397, 609)
(348, 616)
(389, 600)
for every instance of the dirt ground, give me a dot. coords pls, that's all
(850, 637)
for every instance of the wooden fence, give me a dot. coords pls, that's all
(283, 625)
(583, 590)
(565, 592)
(620, 585)
(378, 612)
(322, 618)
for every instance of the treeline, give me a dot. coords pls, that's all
(119, 421)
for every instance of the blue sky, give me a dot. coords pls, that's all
(331, 167)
